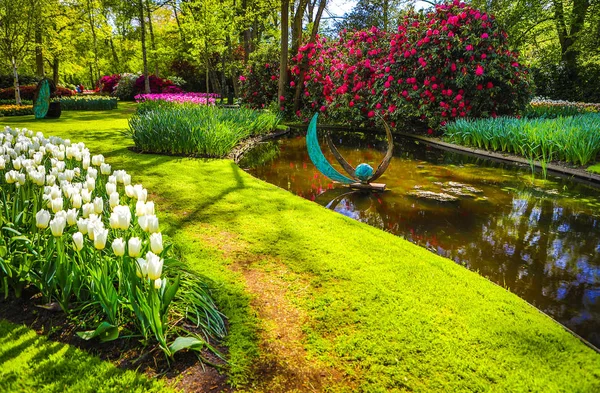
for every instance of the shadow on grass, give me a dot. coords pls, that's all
(30, 363)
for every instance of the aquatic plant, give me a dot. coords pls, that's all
(574, 139)
(85, 237)
(170, 127)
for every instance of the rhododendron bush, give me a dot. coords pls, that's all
(449, 63)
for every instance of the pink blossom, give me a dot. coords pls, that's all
(479, 70)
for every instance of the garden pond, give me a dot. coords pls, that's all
(540, 238)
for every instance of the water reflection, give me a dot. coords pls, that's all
(538, 238)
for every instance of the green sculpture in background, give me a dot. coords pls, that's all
(362, 176)
(41, 101)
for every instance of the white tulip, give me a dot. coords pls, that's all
(114, 199)
(87, 209)
(86, 195)
(11, 177)
(105, 169)
(127, 179)
(90, 184)
(76, 201)
(85, 162)
(135, 247)
(93, 173)
(156, 243)
(121, 217)
(97, 160)
(110, 188)
(143, 223)
(155, 265)
(57, 226)
(157, 283)
(42, 218)
(100, 236)
(50, 180)
(2, 163)
(21, 178)
(112, 179)
(54, 192)
(78, 240)
(98, 205)
(57, 205)
(72, 217)
(142, 268)
(129, 191)
(140, 209)
(82, 225)
(152, 224)
(150, 208)
(118, 247)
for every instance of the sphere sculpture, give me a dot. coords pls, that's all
(360, 177)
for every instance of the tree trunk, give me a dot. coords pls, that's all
(283, 60)
(304, 63)
(144, 58)
(16, 81)
(94, 38)
(114, 54)
(55, 65)
(174, 5)
(152, 42)
(297, 26)
(39, 54)
(568, 37)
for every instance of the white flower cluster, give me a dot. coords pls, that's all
(81, 191)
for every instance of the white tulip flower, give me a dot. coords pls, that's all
(105, 169)
(156, 243)
(90, 184)
(57, 226)
(98, 205)
(150, 208)
(127, 179)
(118, 247)
(129, 191)
(140, 209)
(85, 162)
(11, 177)
(152, 224)
(135, 247)
(114, 199)
(42, 218)
(143, 223)
(155, 265)
(76, 201)
(120, 218)
(57, 205)
(87, 209)
(112, 179)
(82, 225)
(142, 268)
(86, 195)
(78, 240)
(110, 188)
(92, 172)
(72, 217)
(100, 236)
(158, 283)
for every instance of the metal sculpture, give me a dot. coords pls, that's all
(42, 99)
(360, 177)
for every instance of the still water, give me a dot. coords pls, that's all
(538, 238)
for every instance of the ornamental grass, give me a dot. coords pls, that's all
(198, 130)
(574, 139)
(85, 237)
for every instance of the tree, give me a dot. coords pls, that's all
(16, 26)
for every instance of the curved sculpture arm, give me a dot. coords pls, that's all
(317, 157)
(345, 164)
(388, 155)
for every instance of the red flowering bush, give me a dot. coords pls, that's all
(28, 91)
(107, 83)
(452, 62)
(259, 85)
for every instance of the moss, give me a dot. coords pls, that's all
(594, 168)
(388, 315)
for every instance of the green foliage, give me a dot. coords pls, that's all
(190, 129)
(550, 109)
(87, 103)
(572, 139)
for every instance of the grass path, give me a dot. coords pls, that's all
(319, 302)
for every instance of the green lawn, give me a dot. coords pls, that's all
(370, 311)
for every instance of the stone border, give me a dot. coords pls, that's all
(238, 152)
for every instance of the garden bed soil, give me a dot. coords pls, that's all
(186, 373)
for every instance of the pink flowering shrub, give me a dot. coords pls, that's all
(259, 84)
(107, 83)
(450, 63)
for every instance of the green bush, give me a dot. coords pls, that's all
(87, 103)
(574, 139)
(207, 131)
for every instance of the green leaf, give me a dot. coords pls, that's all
(192, 343)
(105, 331)
(170, 294)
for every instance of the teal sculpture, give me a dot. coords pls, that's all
(360, 177)
(42, 99)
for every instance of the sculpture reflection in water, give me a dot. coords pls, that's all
(362, 176)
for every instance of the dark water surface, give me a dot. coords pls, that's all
(539, 238)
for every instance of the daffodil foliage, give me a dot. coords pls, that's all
(88, 239)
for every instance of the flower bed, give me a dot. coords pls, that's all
(550, 109)
(194, 98)
(203, 130)
(85, 237)
(28, 91)
(16, 110)
(89, 103)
